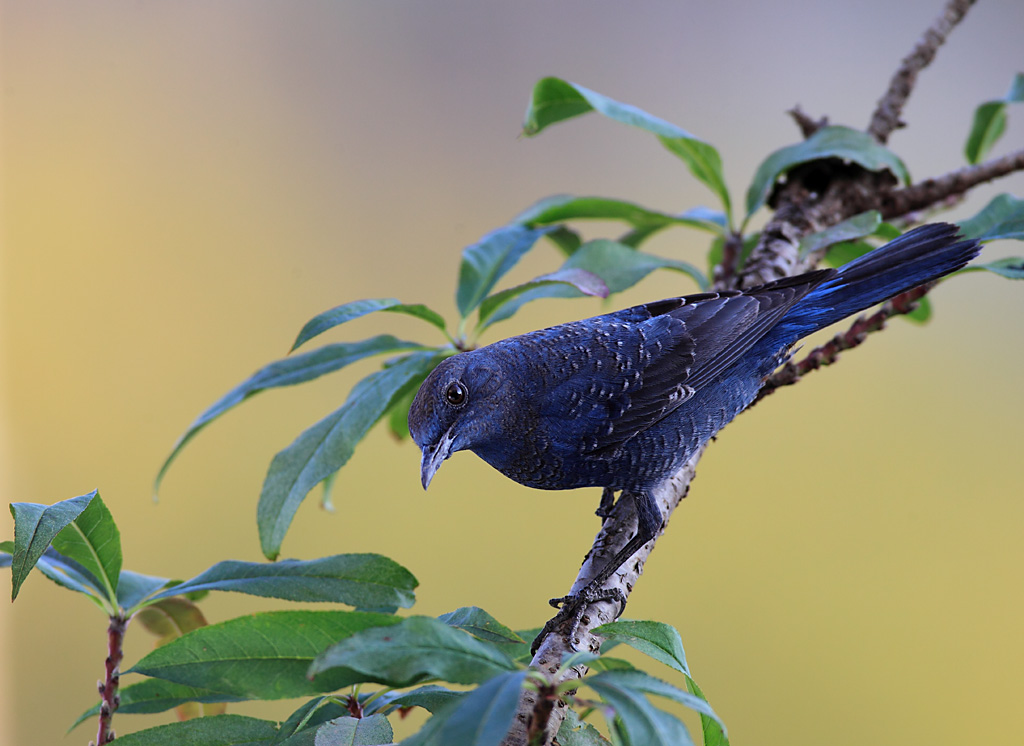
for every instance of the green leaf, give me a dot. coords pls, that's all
(64, 572)
(576, 732)
(714, 734)
(828, 142)
(156, 695)
(260, 656)
(345, 731)
(35, 527)
(311, 714)
(416, 650)
(622, 267)
(501, 305)
(642, 722)
(483, 717)
(864, 224)
(566, 239)
(398, 415)
(93, 541)
(1002, 217)
(488, 260)
(327, 446)
(1012, 267)
(562, 207)
(655, 639)
(353, 310)
(844, 253)
(481, 625)
(132, 587)
(430, 697)
(170, 618)
(362, 580)
(990, 122)
(555, 100)
(639, 681)
(608, 663)
(218, 730)
(922, 313)
(288, 372)
(429, 734)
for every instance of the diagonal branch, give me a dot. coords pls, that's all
(856, 335)
(931, 191)
(886, 117)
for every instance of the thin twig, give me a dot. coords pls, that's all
(109, 698)
(919, 196)
(886, 117)
(828, 353)
(808, 125)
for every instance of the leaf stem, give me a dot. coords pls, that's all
(109, 698)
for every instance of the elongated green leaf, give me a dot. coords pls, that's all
(398, 415)
(659, 641)
(416, 650)
(1002, 217)
(219, 730)
(35, 527)
(562, 207)
(93, 541)
(608, 663)
(483, 717)
(372, 730)
(430, 697)
(132, 587)
(481, 625)
(990, 122)
(642, 721)
(1012, 267)
(260, 656)
(622, 267)
(864, 224)
(288, 372)
(353, 310)
(845, 252)
(64, 572)
(327, 446)
(499, 304)
(639, 681)
(576, 732)
(828, 142)
(487, 261)
(714, 733)
(362, 580)
(156, 695)
(555, 100)
(430, 733)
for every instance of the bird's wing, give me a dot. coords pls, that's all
(682, 345)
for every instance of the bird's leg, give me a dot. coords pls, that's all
(604, 510)
(574, 605)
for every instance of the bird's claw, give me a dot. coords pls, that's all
(571, 608)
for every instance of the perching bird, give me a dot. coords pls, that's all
(621, 401)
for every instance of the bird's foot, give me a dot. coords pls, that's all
(604, 510)
(573, 607)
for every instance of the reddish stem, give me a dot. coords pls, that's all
(109, 698)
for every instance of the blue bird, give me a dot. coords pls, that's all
(622, 401)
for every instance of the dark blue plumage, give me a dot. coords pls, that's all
(621, 401)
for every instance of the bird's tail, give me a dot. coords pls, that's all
(918, 256)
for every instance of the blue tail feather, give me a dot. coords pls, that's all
(915, 258)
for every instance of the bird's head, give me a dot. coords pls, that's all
(455, 409)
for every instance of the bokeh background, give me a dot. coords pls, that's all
(184, 184)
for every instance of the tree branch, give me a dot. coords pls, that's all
(886, 117)
(927, 193)
(828, 353)
(109, 698)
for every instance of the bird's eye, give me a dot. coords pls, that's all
(455, 394)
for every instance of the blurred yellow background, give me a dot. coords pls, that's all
(185, 184)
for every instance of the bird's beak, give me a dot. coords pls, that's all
(434, 455)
